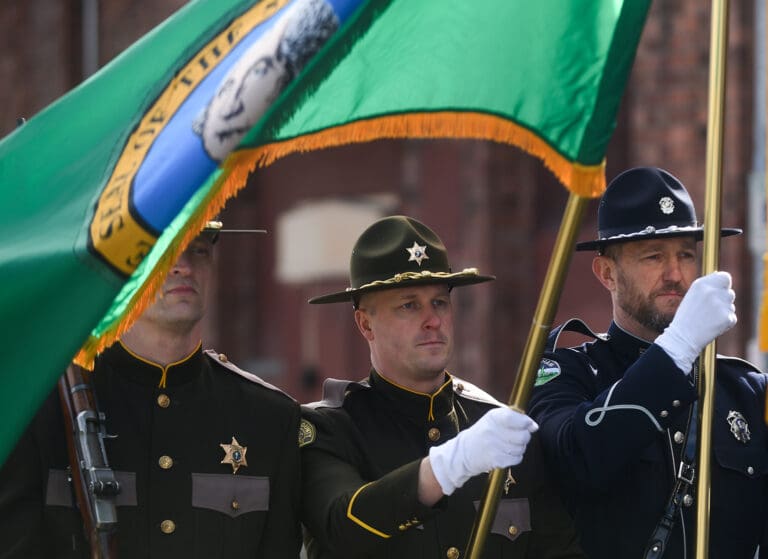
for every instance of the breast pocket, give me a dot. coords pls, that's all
(750, 462)
(230, 494)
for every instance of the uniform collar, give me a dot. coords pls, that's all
(143, 371)
(626, 345)
(419, 405)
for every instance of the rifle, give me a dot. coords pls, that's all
(94, 482)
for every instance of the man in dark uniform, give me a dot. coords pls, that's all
(206, 454)
(394, 465)
(618, 414)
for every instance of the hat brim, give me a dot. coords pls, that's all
(452, 280)
(696, 232)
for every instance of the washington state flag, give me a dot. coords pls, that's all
(101, 190)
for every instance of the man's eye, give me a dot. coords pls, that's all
(440, 303)
(409, 306)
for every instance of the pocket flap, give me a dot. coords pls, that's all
(230, 494)
(513, 518)
(750, 461)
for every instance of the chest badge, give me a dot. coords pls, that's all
(739, 426)
(234, 454)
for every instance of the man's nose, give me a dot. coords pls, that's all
(182, 265)
(432, 318)
(673, 271)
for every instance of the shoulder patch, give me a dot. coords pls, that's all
(548, 369)
(306, 433)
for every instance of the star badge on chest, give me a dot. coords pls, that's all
(234, 454)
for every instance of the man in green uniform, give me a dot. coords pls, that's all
(205, 453)
(393, 466)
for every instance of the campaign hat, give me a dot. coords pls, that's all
(646, 203)
(399, 251)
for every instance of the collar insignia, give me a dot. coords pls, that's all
(667, 205)
(418, 253)
(234, 454)
(739, 426)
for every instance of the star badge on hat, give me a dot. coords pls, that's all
(234, 454)
(739, 426)
(418, 253)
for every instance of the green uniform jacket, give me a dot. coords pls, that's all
(177, 500)
(361, 449)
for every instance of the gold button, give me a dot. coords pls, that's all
(513, 530)
(664, 413)
(459, 387)
(433, 434)
(167, 526)
(675, 403)
(166, 462)
(679, 437)
(402, 528)
(235, 504)
(223, 357)
(687, 500)
(452, 553)
(163, 401)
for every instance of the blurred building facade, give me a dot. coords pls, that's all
(495, 207)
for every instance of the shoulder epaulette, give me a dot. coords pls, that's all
(572, 325)
(222, 360)
(751, 365)
(335, 390)
(471, 392)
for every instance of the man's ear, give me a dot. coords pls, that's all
(363, 322)
(604, 269)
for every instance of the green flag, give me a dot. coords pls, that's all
(88, 219)
(546, 76)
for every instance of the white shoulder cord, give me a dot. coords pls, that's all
(605, 408)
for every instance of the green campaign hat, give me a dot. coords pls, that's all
(399, 251)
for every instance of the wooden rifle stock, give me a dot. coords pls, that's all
(94, 482)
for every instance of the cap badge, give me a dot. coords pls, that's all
(234, 454)
(667, 205)
(739, 426)
(418, 253)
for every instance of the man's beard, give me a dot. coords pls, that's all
(642, 309)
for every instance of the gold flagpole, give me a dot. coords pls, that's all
(534, 346)
(714, 177)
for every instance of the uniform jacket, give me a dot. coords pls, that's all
(361, 449)
(612, 415)
(167, 457)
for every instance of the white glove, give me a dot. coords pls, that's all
(706, 311)
(497, 440)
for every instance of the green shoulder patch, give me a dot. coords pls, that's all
(306, 433)
(548, 370)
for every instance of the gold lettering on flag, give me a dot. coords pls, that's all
(115, 234)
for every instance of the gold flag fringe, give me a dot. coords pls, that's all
(583, 180)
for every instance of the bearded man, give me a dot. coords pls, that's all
(618, 414)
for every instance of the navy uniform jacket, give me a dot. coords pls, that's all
(612, 413)
(361, 450)
(168, 460)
